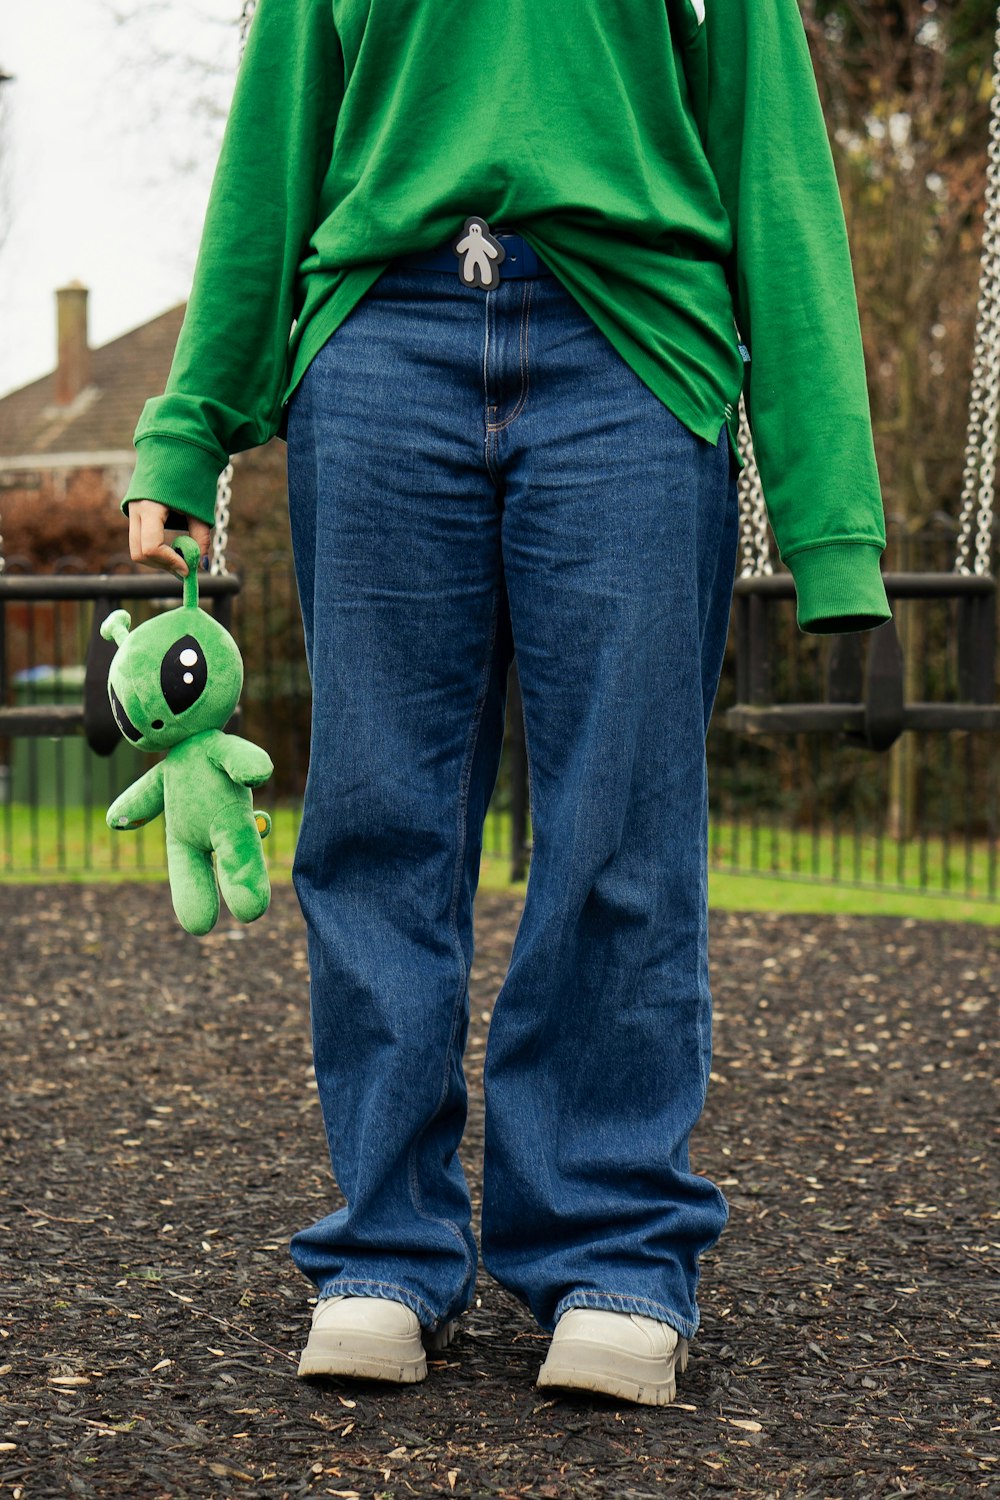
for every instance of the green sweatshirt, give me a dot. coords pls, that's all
(669, 161)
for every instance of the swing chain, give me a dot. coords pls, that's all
(981, 441)
(220, 535)
(755, 545)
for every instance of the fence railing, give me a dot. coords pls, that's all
(923, 816)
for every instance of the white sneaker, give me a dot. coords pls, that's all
(618, 1354)
(372, 1337)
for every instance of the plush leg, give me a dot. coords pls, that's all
(193, 888)
(239, 860)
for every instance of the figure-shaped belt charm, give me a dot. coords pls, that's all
(477, 250)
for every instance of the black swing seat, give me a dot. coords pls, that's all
(107, 590)
(864, 689)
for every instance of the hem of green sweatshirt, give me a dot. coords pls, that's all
(839, 587)
(176, 473)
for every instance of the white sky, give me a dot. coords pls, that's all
(108, 159)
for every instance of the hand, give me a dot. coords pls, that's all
(145, 536)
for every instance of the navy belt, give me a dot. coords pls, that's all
(486, 257)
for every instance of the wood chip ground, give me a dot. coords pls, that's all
(162, 1140)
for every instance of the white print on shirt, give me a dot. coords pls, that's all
(699, 9)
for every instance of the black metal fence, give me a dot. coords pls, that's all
(921, 816)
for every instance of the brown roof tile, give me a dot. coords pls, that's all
(123, 375)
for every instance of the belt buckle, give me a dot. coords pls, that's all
(480, 254)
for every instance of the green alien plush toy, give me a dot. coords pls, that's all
(174, 681)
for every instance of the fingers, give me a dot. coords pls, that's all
(202, 534)
(146, 542)
(145, 537)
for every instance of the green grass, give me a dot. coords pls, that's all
(776, 870)
(750, 892)
(75, 843)
(931, 863)
(767, 893)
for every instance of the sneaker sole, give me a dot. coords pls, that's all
(372, 1356)
(442, 1338)
(577, 1365)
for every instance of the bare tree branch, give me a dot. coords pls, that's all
(173, 72)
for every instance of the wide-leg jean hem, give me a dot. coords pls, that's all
(345, 1286)
(613, 1302)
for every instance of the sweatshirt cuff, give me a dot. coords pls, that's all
(839, 588)
(178, 474)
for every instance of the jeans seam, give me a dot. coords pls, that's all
(489, 427)
(463, 801)
(522, 360)
(528, 764)
(487, 309)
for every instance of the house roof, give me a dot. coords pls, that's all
(102, 418)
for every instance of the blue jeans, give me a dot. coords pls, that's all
(472, 471)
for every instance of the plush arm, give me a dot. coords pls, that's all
(244, 763)
(139, 803)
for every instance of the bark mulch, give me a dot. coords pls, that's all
(162, 1140)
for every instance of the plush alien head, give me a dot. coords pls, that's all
(175, 675)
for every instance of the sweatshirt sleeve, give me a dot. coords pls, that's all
(757, 106)
(227, 377)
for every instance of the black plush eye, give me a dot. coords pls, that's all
(183, 674)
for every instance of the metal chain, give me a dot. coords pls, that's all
(979, 474)
(754, 542)
(224, 489)
(220, 536)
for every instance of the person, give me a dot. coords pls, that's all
(499, 279)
